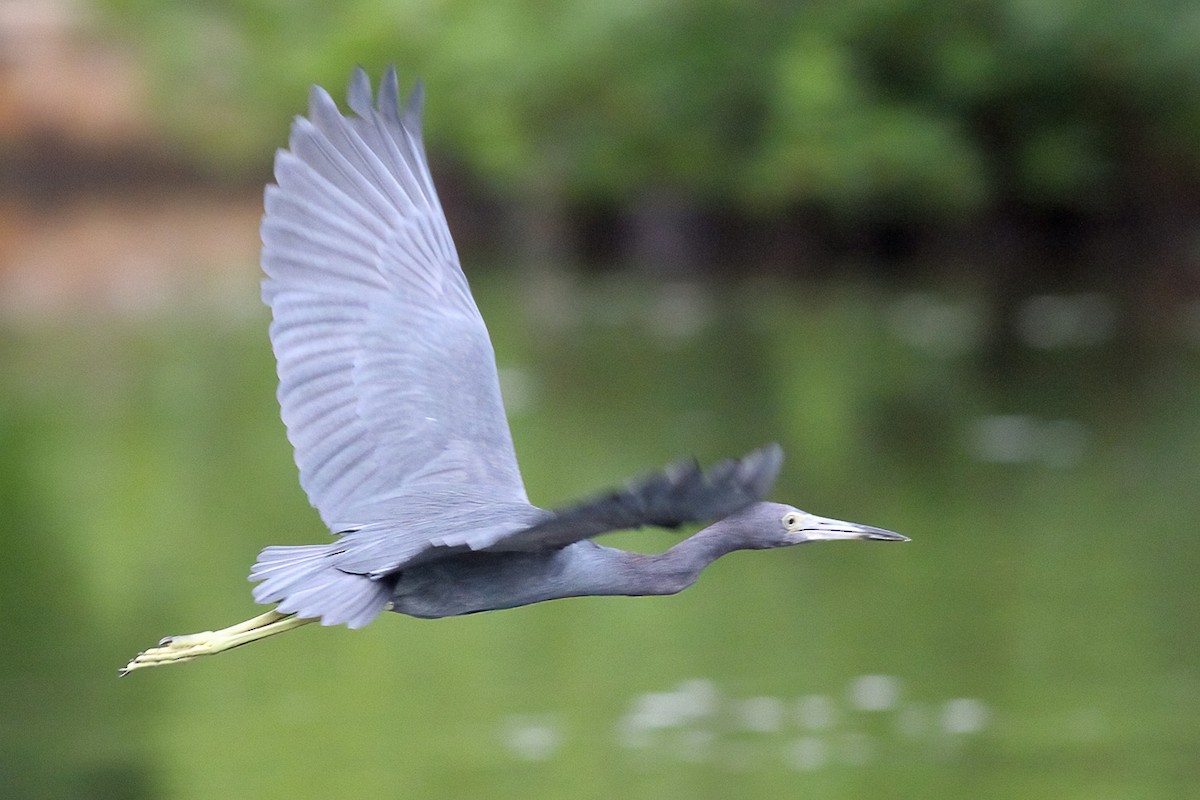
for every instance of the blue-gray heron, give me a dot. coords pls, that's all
(388, 388)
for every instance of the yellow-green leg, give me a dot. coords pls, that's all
(176, 649)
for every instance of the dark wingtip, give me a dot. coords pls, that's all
(318, 100)
(389, 94)
(762, 467)
(415, 109)
(772, 453)
(358, 94)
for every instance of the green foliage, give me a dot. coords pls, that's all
(936, 107)
(830, 139)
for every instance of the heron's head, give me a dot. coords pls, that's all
(778, 525)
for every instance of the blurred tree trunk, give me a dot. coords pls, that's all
(543, 243)
(666, 237)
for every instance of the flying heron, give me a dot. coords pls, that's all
(388, 388)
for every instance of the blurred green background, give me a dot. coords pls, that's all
(947, 253)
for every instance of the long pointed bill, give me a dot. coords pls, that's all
(823, 528)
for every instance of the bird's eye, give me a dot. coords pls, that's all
(791, 520)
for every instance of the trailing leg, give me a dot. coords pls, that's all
(177, 649)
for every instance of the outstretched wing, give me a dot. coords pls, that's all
(436, 526)
(681, 493)
(387, 378)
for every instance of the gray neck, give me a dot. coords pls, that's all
(483, 581)
(677, 568)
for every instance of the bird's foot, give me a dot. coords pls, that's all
(177, 649)
(173, 650)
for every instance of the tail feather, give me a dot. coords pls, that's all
(303, 581)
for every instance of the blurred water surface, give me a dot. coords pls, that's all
(1036, 639)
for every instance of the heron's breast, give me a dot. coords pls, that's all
(473, 582)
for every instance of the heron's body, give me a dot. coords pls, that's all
(389, 390)
(472, 582)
